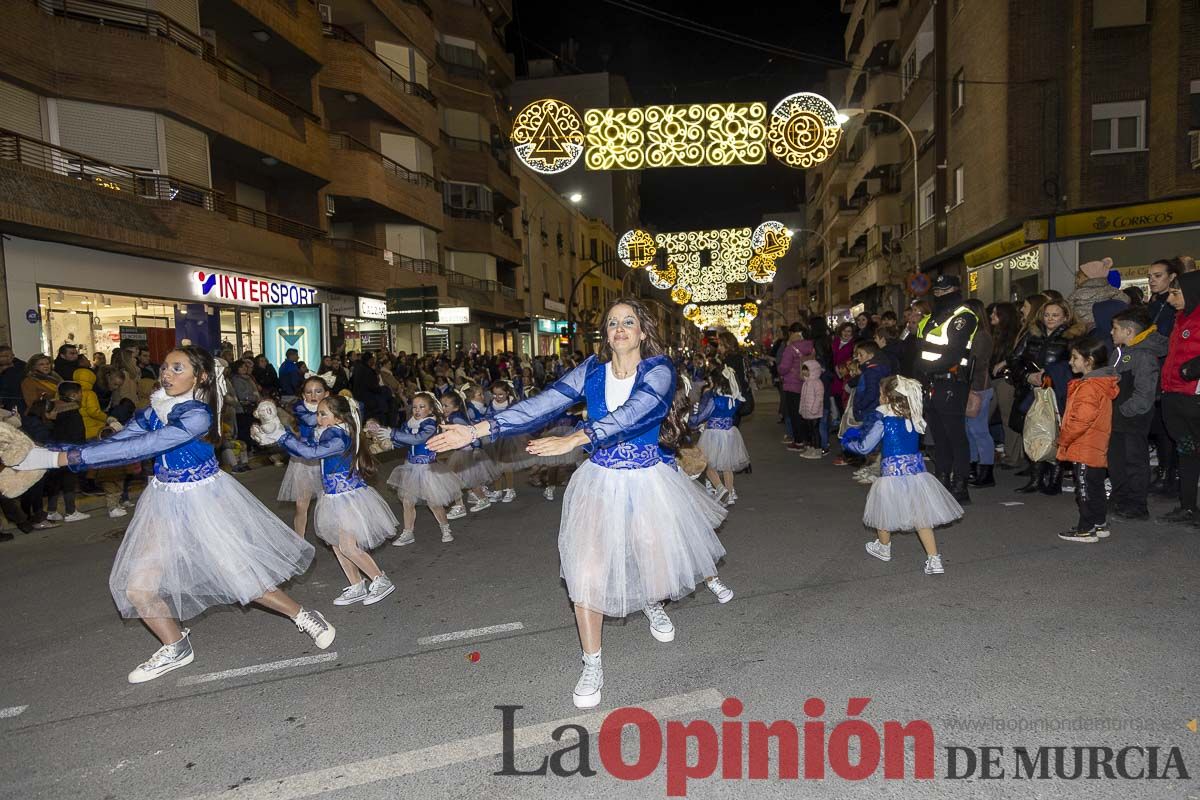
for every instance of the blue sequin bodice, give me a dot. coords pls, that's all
(635, 452)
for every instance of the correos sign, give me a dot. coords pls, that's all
(248, 290)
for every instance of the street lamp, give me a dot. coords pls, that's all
(575, 197)
(845, 115)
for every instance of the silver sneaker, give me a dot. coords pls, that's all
(355, 593)
(456, 512)
(661, 627)
(933, 564)
(494, 496)
(591, 681)
(480, 505)
(165, 659)
(509, 496)
(381, 587)
(724, 593)
(880, 550)
(548, 493)
(405, 537)
(447, 536)
(316, 626)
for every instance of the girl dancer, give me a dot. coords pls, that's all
(905, 497)
(302, 481)
(721, 441)
(630, 533)
(422, 478)
(198, 538)
(471, 464)
(351, 516)
(509, 453)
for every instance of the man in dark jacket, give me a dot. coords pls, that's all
(67, 362)
(12, 372)
(1136, 354)
(874, 366)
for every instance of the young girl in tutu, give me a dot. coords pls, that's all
(905, 497)
(509, 453)
(198, 538)
(631, 534)
(721, 442)
(350, 516)
(471, 464)
(302, 480)
(422, 478)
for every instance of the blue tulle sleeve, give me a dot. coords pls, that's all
(703, 410)
(646, 407)
(139, 443)
(402, 436)
(534, 413)
(864, 439)
(303, 415)
(333, 442)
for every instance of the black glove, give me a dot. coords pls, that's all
(1190, 371)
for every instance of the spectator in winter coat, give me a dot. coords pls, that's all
(1180, 402)
(842, 353)
(812, 403)
(94, 418)
(791, 375)
(1091, 287)
(1138, 349)
(874, 368)
(12, 372)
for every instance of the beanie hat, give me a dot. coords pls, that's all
(1096, 269)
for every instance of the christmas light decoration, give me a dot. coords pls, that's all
(804, 130)
(665, 278)
(636, 249)
(681, 295)
(548, 136)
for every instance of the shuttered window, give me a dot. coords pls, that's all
(20, 111)
(123, 136)
(185, 12)
(187, 152)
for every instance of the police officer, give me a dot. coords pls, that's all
(944, 366)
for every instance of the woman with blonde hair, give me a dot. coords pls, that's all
(41, 382)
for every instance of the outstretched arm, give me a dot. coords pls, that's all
(403, 437)
(333, 442)
(141, 444)
(863, 440)
(533, 414)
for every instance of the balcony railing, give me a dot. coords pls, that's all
(402, 84)
(471, 282)
(344, 141)
(141, 184)
(462, 62)
(158, 25)
(478, 146)
(423, 266)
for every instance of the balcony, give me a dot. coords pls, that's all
(352, 68)
(473, 161)
(479, 231)
(881, 29)
(348, 262)
(295, 21)
(883, 89)
(882, 150)
(413, 17)
(106, 53)
(471, 21)
(361, 171)
(880, 210)
(839, 213)
(875, 269)
(484, 293)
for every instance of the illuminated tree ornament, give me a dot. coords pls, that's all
(681, 295)
(804, 130)
(636, 249)
(547, 136)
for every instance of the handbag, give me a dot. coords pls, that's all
(974, 404)
(1040, 436)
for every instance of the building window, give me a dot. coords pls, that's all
(1118, 127)
(958, 92)
(472, 196)
(927, 193)
(959, 194)
(592, 250)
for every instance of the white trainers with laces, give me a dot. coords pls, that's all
(447, 536)
(381, 587)
(117, 511)
(316, 626)
(480, 505)
(405, 537)
(127, 504)
(720, 494)
(354, 593)
(494, 495)
(456, 512)
(661, 627)
(724, 593)
(78, 516)
(591, 681)
(933, 564)
(880, 550)
(548, 493)
(54, 516)
(165, 659)
(509, 496)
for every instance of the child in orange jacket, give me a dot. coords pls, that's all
(1083, 437)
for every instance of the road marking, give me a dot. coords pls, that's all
(209, 677)
(470, 634)
(360, 773)
(1012, 503)
(12, 711)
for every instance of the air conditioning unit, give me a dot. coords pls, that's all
(330, 207)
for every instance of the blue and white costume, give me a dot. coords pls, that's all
(905, 497)
(563, 425)
(721, 442)
(473, 466)
(632, 533)
(509, 453)
(347, 505)
(198, 538)
(302, 480)
(422, 478)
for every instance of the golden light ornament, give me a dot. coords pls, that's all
(716, 134)
(663, 278)
(636, 248)
(547, 136)
(681, 295)
(761, 270)
(750, 310)
(803, 130)
(691, 312)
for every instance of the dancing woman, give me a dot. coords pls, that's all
(630, 534)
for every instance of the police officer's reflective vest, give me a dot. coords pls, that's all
(935, 340)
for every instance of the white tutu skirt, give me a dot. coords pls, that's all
(301, 481)
(202, 544)
(909, 502)
(360, 514)
(433, 484)
(569, 459)
(631, 537)
(473, 466)
(725, 450)
(510, 455)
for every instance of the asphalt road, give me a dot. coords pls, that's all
(1027, 641)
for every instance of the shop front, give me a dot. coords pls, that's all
(549, 333)
(357, 324)
(61, 294)
(1009, 278)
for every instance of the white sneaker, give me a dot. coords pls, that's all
(548, 493)
(732, 496)
(316, 626)
(812, 453)
(456, 512)
(165, 659)
(354, 593)
(447, 536)
(1102, 531)
(54, 516)
(381, 587)
(591, 681)
(116, 512)
(880, 550)
(860, 473)
(405, 537)
(868, 479)
(509, 496)
(494, 496)
(933, 565)
(661, 627)
(480, 505)
(724, 593)
(720, 494)
(127, 504)
(78, 516)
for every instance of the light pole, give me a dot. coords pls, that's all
(844, 116)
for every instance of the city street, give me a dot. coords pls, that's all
(1026, 641)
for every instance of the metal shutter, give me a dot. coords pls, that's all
(185, 12)
(20, 111)
(187, 152)
(122, 136)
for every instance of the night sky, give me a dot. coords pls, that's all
(668, 64)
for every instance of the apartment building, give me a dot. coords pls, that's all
(253, 170)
